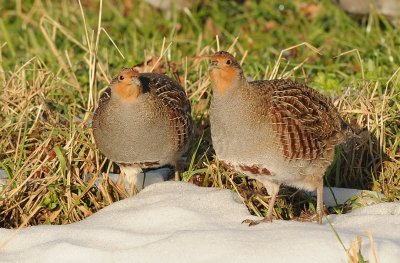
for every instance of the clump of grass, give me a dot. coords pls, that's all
(371, 161)
(55, 58)
(47, 152)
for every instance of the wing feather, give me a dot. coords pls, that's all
(176, 103)
(305, 121)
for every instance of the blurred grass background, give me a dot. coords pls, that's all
(57, 56)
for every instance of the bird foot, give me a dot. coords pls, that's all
(316, 217)
(256, 222)
(309, 216)
(176, 176)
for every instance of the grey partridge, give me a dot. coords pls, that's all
(143, 121)
(275, 131)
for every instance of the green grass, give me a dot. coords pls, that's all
(54, 64)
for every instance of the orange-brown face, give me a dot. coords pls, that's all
(127, 85)
(224, 71)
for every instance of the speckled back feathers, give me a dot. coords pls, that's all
(305, 121)
(175, 101)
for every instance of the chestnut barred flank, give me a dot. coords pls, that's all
(305, 121)
(254, 169)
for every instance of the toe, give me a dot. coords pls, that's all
(256, 222)
(247, 221)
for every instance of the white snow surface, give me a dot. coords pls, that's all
(180, 222)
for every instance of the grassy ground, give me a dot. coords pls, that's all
(56, 58)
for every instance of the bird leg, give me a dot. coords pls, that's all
(176, 167)
(320, 201)
(273, 190)
(130, 176)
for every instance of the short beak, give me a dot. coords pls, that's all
(213, 65)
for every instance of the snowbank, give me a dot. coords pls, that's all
(180, 222)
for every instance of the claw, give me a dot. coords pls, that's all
(256, 222)
(248, 221)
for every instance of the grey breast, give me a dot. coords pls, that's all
(238, 134)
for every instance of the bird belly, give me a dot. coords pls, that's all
(136, 137)
(258, 155)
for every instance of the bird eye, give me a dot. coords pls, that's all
(228, 62)
(120, 77)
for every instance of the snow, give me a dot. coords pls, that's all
(180, 222)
